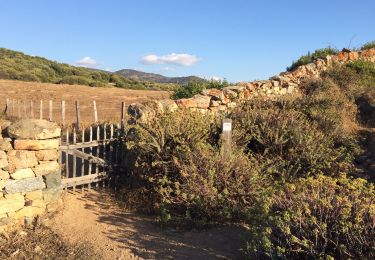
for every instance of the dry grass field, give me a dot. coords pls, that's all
(108, 100)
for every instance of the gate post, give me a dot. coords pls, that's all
(226, 137)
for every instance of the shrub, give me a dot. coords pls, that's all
(315, 218)
(75, 80)
(368, 45)
(292, 145)
(175, 162)
(196, 87)
(308, 58)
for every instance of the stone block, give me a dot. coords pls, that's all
(11, 204)
(24, 185)
(186, 103)
(21, 160)
(36, 144)
(2, 184)
(168, 105)
(52, 194)
(46, 167)
(53, 180)
(3, 160)
(202, 101)
(36, 129)
(5, 145)
(54, 206)
(47, 155)
(38, 203)
(29, 212)
(4, 175)
(20, 174)
(34, 195)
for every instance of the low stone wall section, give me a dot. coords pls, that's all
(222, 100)
(30, 176)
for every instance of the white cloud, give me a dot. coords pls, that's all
(182, 59)
(87, 62)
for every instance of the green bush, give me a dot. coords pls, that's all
(175, 162)
(196, 87)
(75, 80)
(282, 135)
(368, 45)
(308, 58)
(315, 218)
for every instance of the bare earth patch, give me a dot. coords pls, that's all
(94, 219)
(108, 99)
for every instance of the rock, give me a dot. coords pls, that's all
(202, 101)
(11, 204)
(4, 124)
(53, 180)
(186, 103)
(222, 108)
(34, 195)
(216, 94)
(52, 194)
(230, 94)
(54, 206)
(20, 174)
(47, 167)
(342, 56)
(353, 55)
(39, 203)
(168, 105)
(36, 144)
(236, 89)
(29, 211)
(24, 185)
(5, 144)
(290, 89)
(21, 160)
(3, 160)
(36, 129)
(214, 103)
(2, 184)
(232, 105)
(4, 175)
(47, 155)
(155, 105)
(140, 112)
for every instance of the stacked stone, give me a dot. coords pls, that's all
(217, 101)
(30, 178)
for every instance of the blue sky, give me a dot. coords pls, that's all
(235, 39)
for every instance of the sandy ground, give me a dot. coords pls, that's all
(108, 99)
(93, 218)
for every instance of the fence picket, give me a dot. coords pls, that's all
(74, 158)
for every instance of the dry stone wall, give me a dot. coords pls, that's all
(30, 177)
(216, 100)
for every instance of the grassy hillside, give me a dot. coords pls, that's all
(152, 77)
(19, 66)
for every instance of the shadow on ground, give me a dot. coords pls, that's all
(148, 240)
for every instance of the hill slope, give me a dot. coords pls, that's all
(152, 77)
(19, 66)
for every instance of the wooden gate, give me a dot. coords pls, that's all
(90, 156)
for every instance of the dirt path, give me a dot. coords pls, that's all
(95, 220)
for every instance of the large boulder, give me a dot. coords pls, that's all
(168, 105)
(36, 129)
(139, 112)
(202, 101)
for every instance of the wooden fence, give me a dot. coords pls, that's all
(57, 111)
(91, 156)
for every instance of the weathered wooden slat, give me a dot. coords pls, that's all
(95, 112)
(63, 113)
(67, 155)
(123, 113)
(86, 144)
(41, 110)
(74, 157)
(84, 179)
(50, 107)
(90, 152)
(88, 157)
(78, 115)
(97, 151)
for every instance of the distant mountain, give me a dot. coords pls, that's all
(152, 77)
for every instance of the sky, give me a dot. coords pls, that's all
(234, 39)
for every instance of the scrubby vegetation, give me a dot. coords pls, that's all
(368, 45)
(293, 174)
(196, 87)
(18, 66)
(308, 58)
